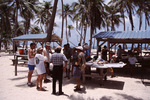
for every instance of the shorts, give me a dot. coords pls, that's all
(31, 67)
(77, 72)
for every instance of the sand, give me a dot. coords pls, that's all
(118, 88)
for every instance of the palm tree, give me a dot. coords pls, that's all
(70, 27)
(128, 6)
(96, 16)
(80, 15)
(62, 27)
(112, 17)
(67, 12)
(44, 15)
(50, 28)
(5, 23)
(143, 8)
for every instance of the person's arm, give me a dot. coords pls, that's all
(65, 66)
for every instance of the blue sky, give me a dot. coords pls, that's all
(75, 37)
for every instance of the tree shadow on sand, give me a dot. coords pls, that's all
(109, 84)
(126, 97)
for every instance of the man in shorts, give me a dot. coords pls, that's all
(31, 65)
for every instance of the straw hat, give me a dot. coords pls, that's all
(79, 48)
(47, 44)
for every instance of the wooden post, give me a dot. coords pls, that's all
(97, 47)
(16, 62)
(108, 44)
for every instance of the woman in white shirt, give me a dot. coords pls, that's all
(39, 60)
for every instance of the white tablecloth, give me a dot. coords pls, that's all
(108, 65)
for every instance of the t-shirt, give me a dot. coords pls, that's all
(39, 62)
(132, 60)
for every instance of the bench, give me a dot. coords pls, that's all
(19, 60)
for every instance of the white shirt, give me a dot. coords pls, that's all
(132, 60)
(39, 62)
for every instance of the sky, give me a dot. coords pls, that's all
(75, 37)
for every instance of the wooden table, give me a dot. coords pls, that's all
(101, 75)
(16, 56)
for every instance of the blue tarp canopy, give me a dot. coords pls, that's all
(123, 35)
(37, 38)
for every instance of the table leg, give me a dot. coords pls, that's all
(16, 62)
(101, 76)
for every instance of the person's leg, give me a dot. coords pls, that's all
(78, 82)
(45, 77)
(60, 79)
(31, 69)
(54, 80)
(30, 75)
(37, 82)
(40, 80)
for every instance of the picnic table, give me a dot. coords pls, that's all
(101, 75)
(16, 56)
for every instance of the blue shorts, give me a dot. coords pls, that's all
(31, 67)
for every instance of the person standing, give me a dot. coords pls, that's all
(57, 59)
(104, 53)
(46, 53)
(119, 53)
(78, 67)
(39, 60)
(31, 64)
(68, 53)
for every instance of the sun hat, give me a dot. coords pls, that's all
(47, 44)
(79, 48)
(39, 48)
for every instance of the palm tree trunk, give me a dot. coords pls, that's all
(81, 34)
(91, 33)
(140, 25)
(84, 34)
(66, 31)
(49, 34)
(62, 27)
(131, 19)
(124, 23)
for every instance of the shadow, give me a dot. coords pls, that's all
(109, 84)
(128, 97)
(137, 73)
(106, 98)
(72, 97)
(24, 85)
(83, 90)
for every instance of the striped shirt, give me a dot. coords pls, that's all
(57, 59)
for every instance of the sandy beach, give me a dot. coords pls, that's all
(118, 88)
